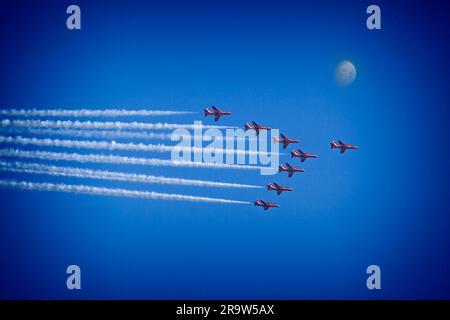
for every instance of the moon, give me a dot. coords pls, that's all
(345, 73)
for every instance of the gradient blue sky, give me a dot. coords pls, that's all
(272, 62)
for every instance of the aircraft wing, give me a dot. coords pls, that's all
(285, 144)
(303, 160)
(214, 108)
(343, 150)
(282, 135)
(290, 173)
(217, 117)
(279, 192)
(340, 142)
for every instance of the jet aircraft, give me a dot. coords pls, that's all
(342, 146)
(256, 127)
(266, 204)
(216, 113)
(289, 169)
(279, 189)
(284, 140)
(302, 155)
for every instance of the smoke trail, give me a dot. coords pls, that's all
(105, 134)
(82, 189)
(35, 168)
(89, 113)
(106, 145)
(94, 158)
(117, 125)
(109, 134)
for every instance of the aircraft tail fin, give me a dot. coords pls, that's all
(207, 112)
(247, 126)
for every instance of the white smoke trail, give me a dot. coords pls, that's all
(89, 113)
(107, 145)
(109, 134)
(91, 190)
(105, 134)
(116, 125)
(94, 158)
(36, 168)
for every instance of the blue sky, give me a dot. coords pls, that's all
(383, 204)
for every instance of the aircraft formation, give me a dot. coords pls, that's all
(284, 141)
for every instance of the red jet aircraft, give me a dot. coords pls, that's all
(256, 127)
(279, 189)
(302, 155)
(284, 140)
(290, 169)
(266, 204)
(216, 113)
(341, 145)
